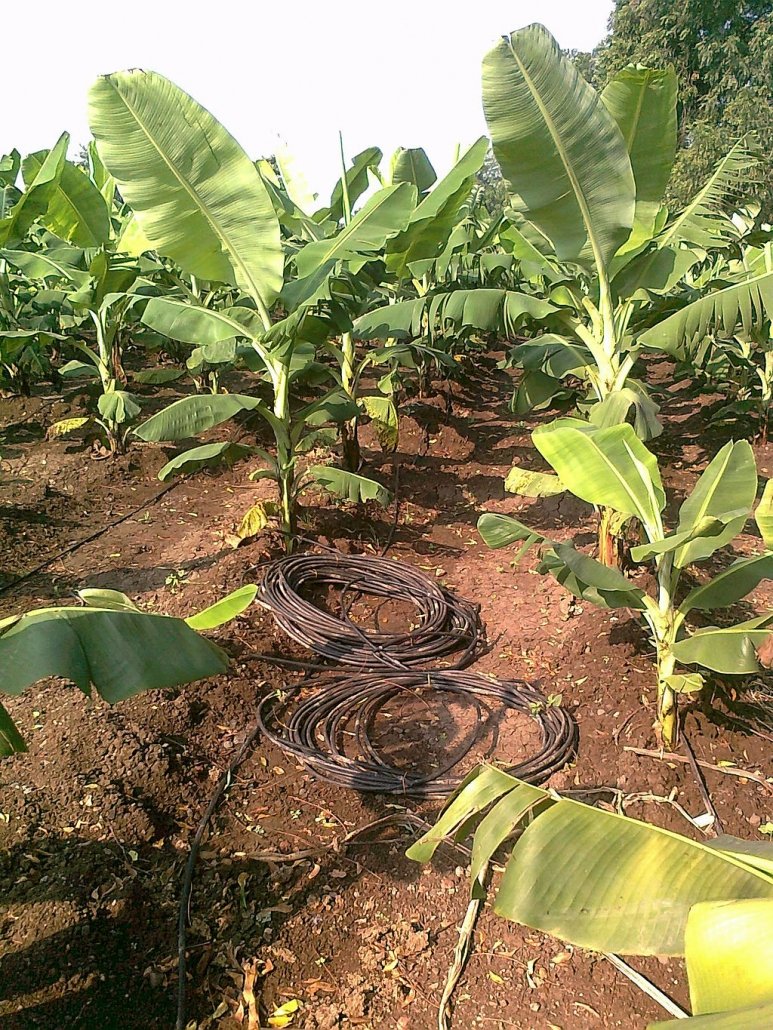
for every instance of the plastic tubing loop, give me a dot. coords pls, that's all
(315, 728)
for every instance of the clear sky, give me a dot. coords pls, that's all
(405, 72)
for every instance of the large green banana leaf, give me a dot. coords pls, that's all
(589, 579)
(747, 303)
(731, 585)
(120, 653)
(76, 210)
(198, 197)
(580, 574)
(704, 222)
(412, 166)
(643, 103)
(34, 201)
(188, 323)
(656, 271)
(500, 530)
(599, 880)
(193, 415)
(435, 217)
(562, 154)
(607, 467)
(348, 486)
(111, 645)
(384, 215)
(357, 181)
(726, 490)
(486, 310)
(726, 649)
(208, 455)
(39, 264)
(704, 528)
(631, 404)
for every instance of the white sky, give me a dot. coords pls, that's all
(400, 73)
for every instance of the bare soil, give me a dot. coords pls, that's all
(96, 820)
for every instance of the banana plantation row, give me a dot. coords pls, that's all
(172, 256)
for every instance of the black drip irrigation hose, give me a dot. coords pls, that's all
(77, 544)
(329, 724)
(339, 716)
(445, 625)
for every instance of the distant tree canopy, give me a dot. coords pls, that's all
(722, 51)
(493, 193)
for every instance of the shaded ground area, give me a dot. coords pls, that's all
(95, 821)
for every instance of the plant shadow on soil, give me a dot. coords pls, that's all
(97, 818)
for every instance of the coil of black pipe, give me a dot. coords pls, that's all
(315, 728)
(445, 624)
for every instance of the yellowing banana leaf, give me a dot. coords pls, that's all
(594, 878)
(532, 484)
(729, 953)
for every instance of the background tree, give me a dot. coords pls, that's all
(722, 53)
(493, 193)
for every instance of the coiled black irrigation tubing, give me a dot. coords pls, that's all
(445, 624)
(314, 722)
(345, 708)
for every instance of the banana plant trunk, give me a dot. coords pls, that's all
(285, 459)
(664, 626)
(350, 444)
(611, 544)
(668, 713)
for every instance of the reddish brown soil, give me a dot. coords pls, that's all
(96, 820)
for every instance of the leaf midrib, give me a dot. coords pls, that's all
(189, 189)
(578, 191)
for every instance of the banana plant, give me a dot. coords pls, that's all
(419, 262)
(603, 881)
(77, 252)
(111, 645)
(611, 468)
(201, 201)
(410, 255)
(26, 331)
(586, 174)
(726, 333)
